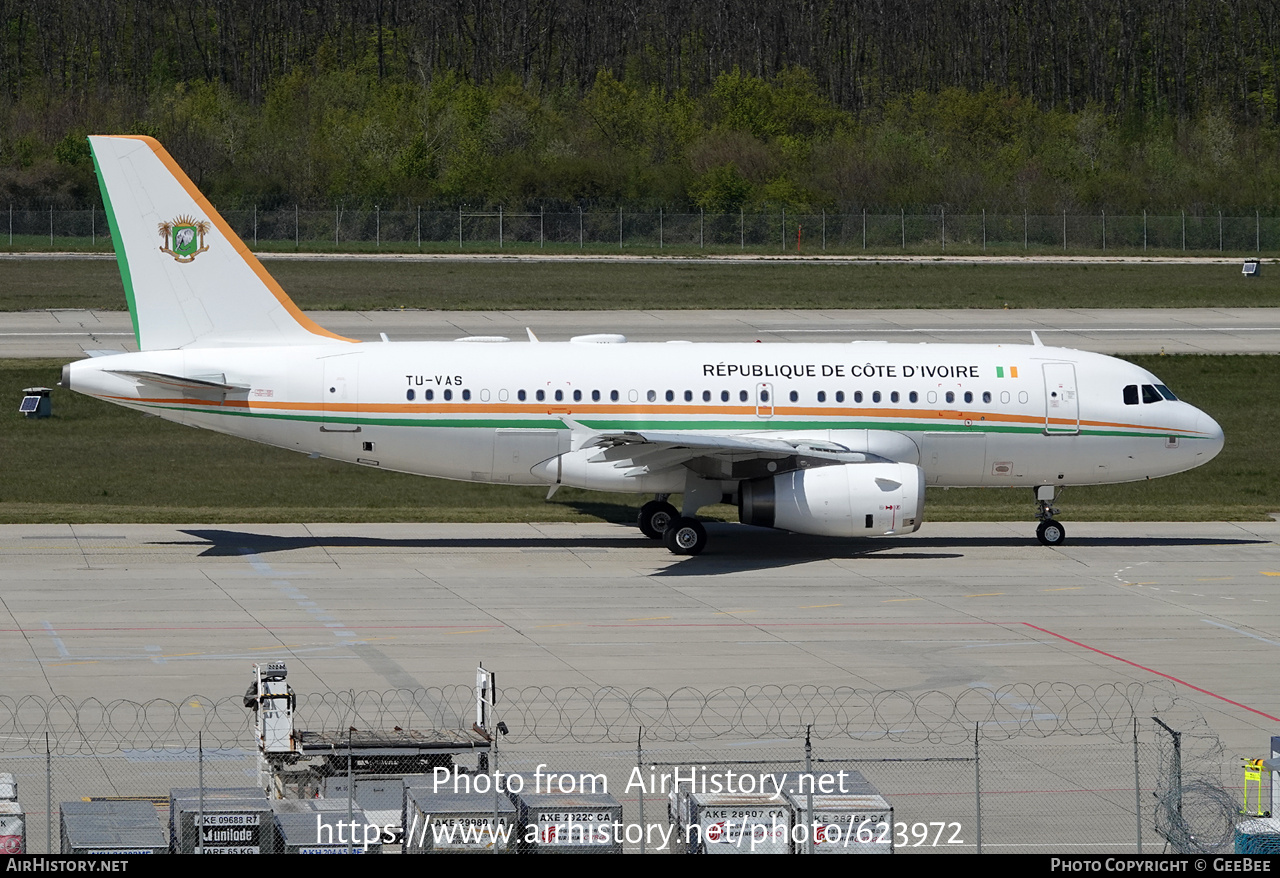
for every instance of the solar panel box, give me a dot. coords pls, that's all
(449, 822)
(111, 827)
(236, 820)
(36, 402)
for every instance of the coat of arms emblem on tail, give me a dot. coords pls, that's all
(183, 238)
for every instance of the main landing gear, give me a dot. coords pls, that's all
(682, 535)
(1050, 532)
(656, 516)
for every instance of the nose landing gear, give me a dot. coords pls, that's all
(1050, 532)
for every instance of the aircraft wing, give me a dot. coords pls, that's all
(711, 455)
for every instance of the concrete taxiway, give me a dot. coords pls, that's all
(69, 334)
(142, 611)
(134, 611)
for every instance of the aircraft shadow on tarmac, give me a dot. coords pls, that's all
(734, 548)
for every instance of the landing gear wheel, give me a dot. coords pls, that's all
(655, 517)
(1051, 533)
(685, 536)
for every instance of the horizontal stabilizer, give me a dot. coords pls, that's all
(179, 382)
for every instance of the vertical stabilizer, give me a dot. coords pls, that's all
(189, 278)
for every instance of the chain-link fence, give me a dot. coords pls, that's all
(1026, 768)
(413, 228)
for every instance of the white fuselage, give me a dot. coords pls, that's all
(968, 415)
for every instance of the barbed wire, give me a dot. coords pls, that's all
(582, 715)
(1195, 813)
(1200, 818)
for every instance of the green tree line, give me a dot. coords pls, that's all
(1164, 105)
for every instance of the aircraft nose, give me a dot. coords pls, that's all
(1212, 443)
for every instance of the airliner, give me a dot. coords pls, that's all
(828, 439)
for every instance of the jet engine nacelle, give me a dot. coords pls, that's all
(845, 500)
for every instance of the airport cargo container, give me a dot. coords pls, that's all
(457, 823)
(111, 827)
(13, 829)
(236, 820)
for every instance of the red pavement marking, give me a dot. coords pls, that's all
(1152, 671)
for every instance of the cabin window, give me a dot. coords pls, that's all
(521, 395)
(429, 395)
(951, 397)
(893, 397)
(688, 396)
(913, 396)
(577, 396)
(448, 394)
(1022, 397)
(724, 396)
(743, 396)
(764, 396)
(822, 396)
(466, 394)
(857, 396)
(633, 395)
(1131, 394)
(1150, 394)
(613, 396)
(1004, 396)
(503, 394)
(652, 396)
(793, 396)
(409, 395)
(671, 396)
(986, 396)
(559, 396)
(541, 395)
(706, 396)
(875, 396)
(968, 396)
(839, 396)
(595, 396)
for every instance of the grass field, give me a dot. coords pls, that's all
(27, 284)
(94, 462)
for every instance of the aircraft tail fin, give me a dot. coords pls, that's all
(189, 279)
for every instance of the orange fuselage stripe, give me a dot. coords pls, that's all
(481, 409)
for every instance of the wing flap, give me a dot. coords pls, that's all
(646, 452)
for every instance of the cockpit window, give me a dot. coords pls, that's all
(1166, 393)
(1150, 394)
(1131, 394)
